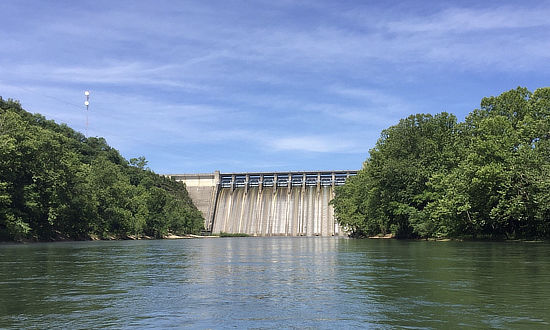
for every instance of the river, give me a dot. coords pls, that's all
(275, 283)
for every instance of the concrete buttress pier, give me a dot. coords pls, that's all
(267, 203)
(203, 189)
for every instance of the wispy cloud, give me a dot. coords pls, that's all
(467, 20)
(324, 144)
(245, 83)
(134, 73)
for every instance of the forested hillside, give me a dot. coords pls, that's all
(431, 176)
(57, 184)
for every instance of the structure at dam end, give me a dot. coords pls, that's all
(267, 203)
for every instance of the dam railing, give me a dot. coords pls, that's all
(284, 179)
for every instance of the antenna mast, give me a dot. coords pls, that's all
(87, 104)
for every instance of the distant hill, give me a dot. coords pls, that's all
(57, 184)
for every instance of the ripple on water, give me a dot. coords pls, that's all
(274, 282)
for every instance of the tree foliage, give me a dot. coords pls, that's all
(430, 176)
(55, 183)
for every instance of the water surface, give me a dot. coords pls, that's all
(275, 283)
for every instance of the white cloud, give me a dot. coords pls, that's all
(332, 144)
(133, 73)
(466, 20)
(490, 39)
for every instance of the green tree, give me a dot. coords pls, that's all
(390, 193)
(433, 177)
(504, 173)
(139, 162)
(57, 184)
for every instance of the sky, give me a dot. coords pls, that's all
(279, 85)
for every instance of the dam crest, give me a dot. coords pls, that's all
(267, 203)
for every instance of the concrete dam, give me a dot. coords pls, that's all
(268, 203)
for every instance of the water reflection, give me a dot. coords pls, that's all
(269, 279)
(275, 282)
(438, 284)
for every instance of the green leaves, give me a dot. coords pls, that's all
(55, 183)
(429, 176)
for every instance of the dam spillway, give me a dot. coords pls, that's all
(267, 204)
(276, 212)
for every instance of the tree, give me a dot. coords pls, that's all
(55, 183)
(433, 177)
(391, 192)
(139, 162)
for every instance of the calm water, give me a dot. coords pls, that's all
(275, 283)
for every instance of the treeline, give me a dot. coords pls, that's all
(57, 184)
(433, 177)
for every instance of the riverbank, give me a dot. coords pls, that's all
(172, 236)
(112, 238)
(145, 237)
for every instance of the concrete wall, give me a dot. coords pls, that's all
(202, 189)
(285, 211)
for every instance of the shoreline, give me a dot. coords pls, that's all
(111, 238)
(192, 236)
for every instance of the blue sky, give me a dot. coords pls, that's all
(198, 86)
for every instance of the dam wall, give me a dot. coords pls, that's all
(267, 204)
(202, 189)
(276, 212)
